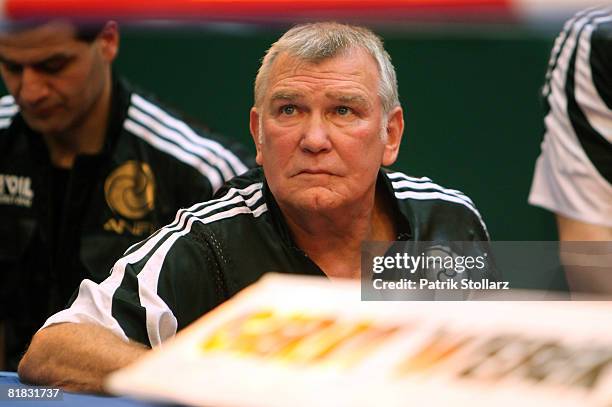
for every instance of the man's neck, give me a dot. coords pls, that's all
(87, 137)
(333, 240)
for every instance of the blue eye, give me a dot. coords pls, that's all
(288, 110)
(343, 110)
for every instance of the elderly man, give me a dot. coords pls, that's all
(88, 167)
(326, 118)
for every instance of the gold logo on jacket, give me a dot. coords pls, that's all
(130, 190)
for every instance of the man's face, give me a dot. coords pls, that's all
(319, 131)
(55, 78)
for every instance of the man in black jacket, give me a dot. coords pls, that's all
(326, 118)
(87, 168)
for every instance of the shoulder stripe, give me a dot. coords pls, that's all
(180, 141)
(232, 197)
(7, 100)
(236, 211)
(401, 186)
(439, 193)
(559, 44)
(396, 175)
(407, 182)
(585, 111)
(209, 172)
(178, 125)
(555, 79)
(8, 110)
(430, 185)
(102, 294)
(598, 113)
(424, 196)
(4, 123)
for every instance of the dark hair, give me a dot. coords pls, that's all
(88, 32)
(84, 31)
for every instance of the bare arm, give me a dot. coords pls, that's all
(588, 267)
(76, 357)
(570, 229)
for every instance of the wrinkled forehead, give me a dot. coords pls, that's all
(287, 58)
(31, 36)
(351, 67)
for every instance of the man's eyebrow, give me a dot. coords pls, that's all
(348, 98)
(282, 95)
(60, 55)
(8, 61)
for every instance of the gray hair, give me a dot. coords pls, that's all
(318, 41)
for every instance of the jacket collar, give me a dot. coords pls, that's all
(120, 102)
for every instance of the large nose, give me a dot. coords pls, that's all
(34, 88)
(315, 136)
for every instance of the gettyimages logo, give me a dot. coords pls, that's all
(427, 270)
(436, 263)
(16, 190)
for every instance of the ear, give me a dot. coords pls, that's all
(254, 119)
(109, 40)
(395, 130)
